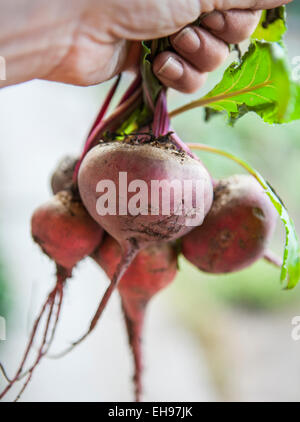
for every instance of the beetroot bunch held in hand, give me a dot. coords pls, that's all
(134, 200)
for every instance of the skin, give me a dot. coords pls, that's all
(65, 231)
(61, 178)
(152, 270)
(147, 163)
(144, 163)
(237, 229)
(86, 42)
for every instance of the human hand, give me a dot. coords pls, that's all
(87, 42)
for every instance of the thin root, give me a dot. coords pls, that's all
(48, 308)
(134, 330)
(122, 267)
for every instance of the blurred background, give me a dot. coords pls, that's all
(207, 338)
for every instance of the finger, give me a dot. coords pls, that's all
(249, 4)
(159, 18)
(174, 72)
(200, 48)
(233, 26)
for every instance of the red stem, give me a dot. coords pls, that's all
(106, 104)
(161, 124)
(161, 121)
(183, 146)
(273, 259)
(112, 123)
(132, 88)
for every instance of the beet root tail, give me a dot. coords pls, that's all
(52, 318)
(134, 327)
(125, 262)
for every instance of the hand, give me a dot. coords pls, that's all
(85, 42)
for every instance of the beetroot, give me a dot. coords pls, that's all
(144, 163)
(138, 181)
(152, 269)
(66, 233)
(149, 222)
(237, 229)
(62, 177)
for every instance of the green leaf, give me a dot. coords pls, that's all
(272, 25)
(290, 271)
(259, 83)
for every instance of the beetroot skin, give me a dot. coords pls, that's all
(141, 162)
(237, 229)
(64, 230)
(152, 269)
(62, 177)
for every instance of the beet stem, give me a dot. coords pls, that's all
(161, 124)
(132, 88)
(273, 259)
(161, 121)
(110, 124)
(106, 104)
(183, 146)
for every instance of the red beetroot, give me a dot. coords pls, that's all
(66, 233)
(237, 229)
(62, 177)
(146, 163)
(152, 269)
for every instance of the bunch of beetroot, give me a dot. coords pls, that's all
(139, 251)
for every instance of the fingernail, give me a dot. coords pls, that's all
(172, 69)
(214, 21)
(187, 40)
